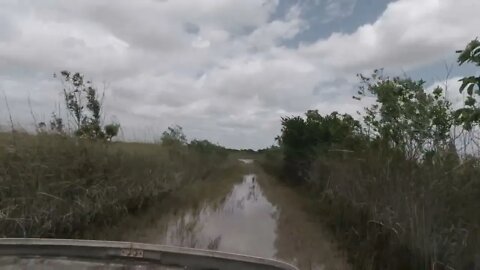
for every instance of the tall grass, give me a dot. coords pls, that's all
(60, 186)
(391, 213)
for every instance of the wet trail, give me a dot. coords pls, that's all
(258, 216)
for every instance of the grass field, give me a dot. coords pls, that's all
(60, 186)
(389, 213)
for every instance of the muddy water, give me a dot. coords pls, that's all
(243, 223)
(257, 217)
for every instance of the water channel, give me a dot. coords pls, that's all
(259, 216)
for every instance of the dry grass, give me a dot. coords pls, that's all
(396, 214)
(58, 186)
(147, 226)
(390, 213)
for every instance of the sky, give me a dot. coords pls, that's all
(224, 70)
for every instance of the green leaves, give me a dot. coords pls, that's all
(469, 116)
(469, 83)
(470, 101)
(82, 102)
(302, 139)
(173, 136)
(438, 92)
(471, 53)
(405, 116)
(111, 130)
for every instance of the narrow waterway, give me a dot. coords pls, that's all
(258, 216)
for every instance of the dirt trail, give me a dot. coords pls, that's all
(257, 216)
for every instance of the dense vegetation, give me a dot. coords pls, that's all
(400, 187)
(62, 186)
(63, 182)
(397, 187)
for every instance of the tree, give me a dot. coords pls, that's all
(84, 106)
(56, 124)
(174, 136)
(469, 115)
(207, 149)
(405, 116)
(111, 131)
(302, 139)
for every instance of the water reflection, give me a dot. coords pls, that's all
(258, 217)
(244, 223)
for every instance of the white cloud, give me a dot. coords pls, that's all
(337, 9)
(270, 34)
(221, 69)
(409, 33)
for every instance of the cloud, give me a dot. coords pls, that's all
(337, 9)
(221, 69)
(408, 34)
(278, 30)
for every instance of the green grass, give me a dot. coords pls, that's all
(209, 191)
(59, 186)
(390, 213)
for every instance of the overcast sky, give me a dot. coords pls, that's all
(225, 70)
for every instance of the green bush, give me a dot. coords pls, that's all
(303, 139)
(397, 193)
